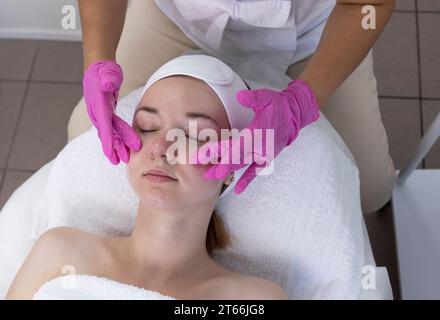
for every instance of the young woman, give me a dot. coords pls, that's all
(167, 255)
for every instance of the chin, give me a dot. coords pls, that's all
(159, 197)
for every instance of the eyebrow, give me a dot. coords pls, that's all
(189, 115)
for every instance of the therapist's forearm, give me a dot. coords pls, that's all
(343, 46)
(102, 23)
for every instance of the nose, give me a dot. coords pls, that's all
(159, 146)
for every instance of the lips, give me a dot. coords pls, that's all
(160, 173)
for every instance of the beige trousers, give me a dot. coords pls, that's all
(150, 39)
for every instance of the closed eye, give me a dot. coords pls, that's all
(195, 139)
(148, 131)
(145, 131)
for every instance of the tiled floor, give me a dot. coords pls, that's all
(40, 83)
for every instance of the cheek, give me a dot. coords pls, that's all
(130, 172)
(194, 173)
(134, 169)
(198, 182)
(133, 162)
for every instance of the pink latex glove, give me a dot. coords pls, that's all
(101, 84)
(286, 112)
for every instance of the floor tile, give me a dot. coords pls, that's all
(405, 5)
(42, 130)
(430, 111)
(13, 179)
(429, 28)
(401, 118)
(395, 55)
(428, 5)
(11, 99)
(58, 61)
(16, 58)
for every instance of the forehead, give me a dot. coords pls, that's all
(176, 95)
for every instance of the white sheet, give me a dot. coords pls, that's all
(16, 221)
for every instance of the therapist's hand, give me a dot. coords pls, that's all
(287, 112)
(101, 84)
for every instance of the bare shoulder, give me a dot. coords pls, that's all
(66, 244)
(57, 251)
(243, 287)
(57, 247)
(73, 249)
(60, 236)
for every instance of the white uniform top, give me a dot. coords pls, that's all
(259, 39)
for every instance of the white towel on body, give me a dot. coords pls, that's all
(87, 287)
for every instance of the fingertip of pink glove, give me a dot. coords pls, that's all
(109, 152)
(245, 97)
(210, 173)
(121, 150)
(222, 171)
(132, 140)
(239, 188)
(136, 145)
(113, 158)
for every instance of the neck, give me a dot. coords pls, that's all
(170, 244)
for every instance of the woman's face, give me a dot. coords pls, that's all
(171, 103)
